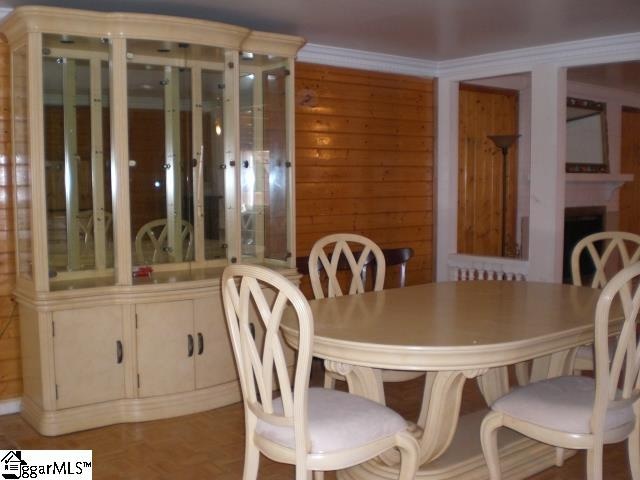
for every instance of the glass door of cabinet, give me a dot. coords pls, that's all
(265, 167)
(176, 145)
(159, 167)
(76, 146)
(22, 162)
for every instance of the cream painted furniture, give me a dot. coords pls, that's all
(594, 260)
(325, 266)
(316, 429)
(135, 118)
(331, 252)
(458, 330)
(581, 412)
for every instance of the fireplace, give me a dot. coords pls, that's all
(578, 223)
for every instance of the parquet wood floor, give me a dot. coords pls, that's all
(210, 445)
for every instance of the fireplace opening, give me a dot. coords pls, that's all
(578, 223)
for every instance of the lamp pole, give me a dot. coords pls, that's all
(504, 142)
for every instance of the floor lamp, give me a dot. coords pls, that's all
(504, 142)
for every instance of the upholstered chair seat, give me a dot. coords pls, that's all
(561, 403)
(337, 421)
(579, 412)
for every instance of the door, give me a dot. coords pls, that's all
(88, 355)
(630, 163)
(214, 359)
(487, 181)
(166, 348)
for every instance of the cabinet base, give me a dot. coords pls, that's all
(58, 422)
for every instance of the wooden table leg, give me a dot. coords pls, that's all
(363, 381)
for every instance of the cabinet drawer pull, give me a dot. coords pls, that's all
(200, 343)
(119, 351)
(190, 344)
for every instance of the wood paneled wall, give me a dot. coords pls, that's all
(630, 163)
(484, 112)
(10, 369)
(364, 160)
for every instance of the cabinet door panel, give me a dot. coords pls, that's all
(165, 365)
(88, 368)
(216, 364)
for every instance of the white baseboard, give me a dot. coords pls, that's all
(8, 407)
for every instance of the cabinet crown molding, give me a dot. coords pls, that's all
(30, 19)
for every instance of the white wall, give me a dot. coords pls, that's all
(547, 68)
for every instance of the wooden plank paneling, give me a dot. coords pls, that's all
(484, 112)
(364, 160)
(349, 76)
(370, 158)
(630, 163)
(10, 366)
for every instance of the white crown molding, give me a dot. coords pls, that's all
(616, 48)
(11, 406)
(360, 59)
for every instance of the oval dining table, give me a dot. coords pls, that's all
(454, 331)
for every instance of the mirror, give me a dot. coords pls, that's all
(586, 136)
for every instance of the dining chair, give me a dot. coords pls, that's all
(335, 253)
(155, 234)
(342, 252)
(85, 226)
(315, 429)
(580, 412)
(400, 257)
(593, 260)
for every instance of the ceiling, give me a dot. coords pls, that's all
(621, 76)
(434, 30)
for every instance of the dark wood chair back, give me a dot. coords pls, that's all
(398, 256)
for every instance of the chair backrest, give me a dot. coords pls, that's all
(242, 292)
(398, 256)
(85, 225)
(609, 252)
(155, 235)
(617, 379)
(331, 253)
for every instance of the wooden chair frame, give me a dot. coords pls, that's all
(340, 247)
(613, 244)
(242, 286)
(616, 387)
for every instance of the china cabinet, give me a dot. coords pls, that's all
(149, 152)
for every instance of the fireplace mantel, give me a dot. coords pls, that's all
(593, 188)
